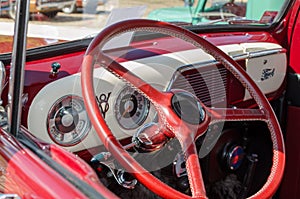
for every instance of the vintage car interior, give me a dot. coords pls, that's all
(145, 107)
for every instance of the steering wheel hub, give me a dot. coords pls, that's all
(188, 108)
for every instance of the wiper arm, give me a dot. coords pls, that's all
(233, 20)
(245, 21)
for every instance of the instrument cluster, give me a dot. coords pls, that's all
(131, 108)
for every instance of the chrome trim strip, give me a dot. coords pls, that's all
(266, 52)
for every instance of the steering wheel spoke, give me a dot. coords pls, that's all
(236, 114)
(130, 78)
(194, 171)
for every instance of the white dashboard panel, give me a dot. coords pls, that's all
(267, 71)
(157, 71)
(267, 66)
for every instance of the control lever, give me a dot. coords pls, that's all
(123, 178)
(253, 159)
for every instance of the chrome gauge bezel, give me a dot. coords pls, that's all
(67, 121)
(131, 117)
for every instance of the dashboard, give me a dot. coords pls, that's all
(56, 113)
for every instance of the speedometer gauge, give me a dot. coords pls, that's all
(131, 108)
(67, 121)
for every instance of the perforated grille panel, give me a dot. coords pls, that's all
(209, 84)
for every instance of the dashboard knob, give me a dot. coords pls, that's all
(150, 137)
(55, 68)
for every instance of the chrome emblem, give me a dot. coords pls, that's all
(103, 103)
(267, 73)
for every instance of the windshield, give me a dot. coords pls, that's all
(58, 21)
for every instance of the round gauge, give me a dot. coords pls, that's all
(67, 121)
(131, 108)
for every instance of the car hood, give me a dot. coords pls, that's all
(174, 14)
(6, 42)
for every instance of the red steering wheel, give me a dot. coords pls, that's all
(185, 132)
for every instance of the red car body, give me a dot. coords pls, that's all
(22, 172)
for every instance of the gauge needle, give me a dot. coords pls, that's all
(126, 110)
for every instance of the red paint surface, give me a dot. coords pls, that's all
(25, 174)
(294, 38)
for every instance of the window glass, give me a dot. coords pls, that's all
(57, 21)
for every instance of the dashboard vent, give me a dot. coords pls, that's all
(209, 84)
